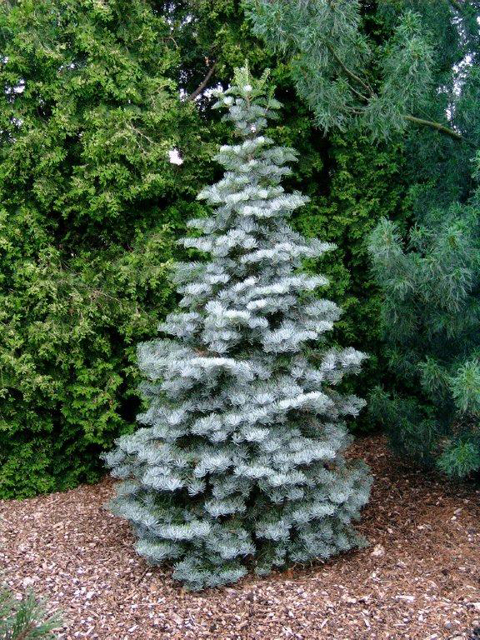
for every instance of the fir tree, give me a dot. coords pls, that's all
(241, 459)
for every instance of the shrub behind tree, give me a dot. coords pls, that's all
(88, 216)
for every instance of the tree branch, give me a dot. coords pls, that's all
(203, 84)
(349, 73)
(457, 5)
(420, 121)
(435, 125)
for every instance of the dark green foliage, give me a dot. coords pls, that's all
(90, 208)
(378, 68)
(430, 275)
(365, 183)
(347, 76)
(431, 316)
(24, 619)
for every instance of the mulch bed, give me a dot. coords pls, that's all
(419, 579)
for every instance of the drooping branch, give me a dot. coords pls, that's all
(435, 125)
(349, 72)
(203, 84)
(420, 121)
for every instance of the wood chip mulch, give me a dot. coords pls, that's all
(419, 579)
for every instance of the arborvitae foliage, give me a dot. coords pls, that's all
(241, 459)
(364, 182)
(88, 216)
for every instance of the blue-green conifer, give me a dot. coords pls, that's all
(240, 462)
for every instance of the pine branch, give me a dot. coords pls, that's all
(349, 72)
(420, 121)
(203, 84)
(457, 5)
(435, 125)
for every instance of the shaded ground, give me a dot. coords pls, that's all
(419, 579)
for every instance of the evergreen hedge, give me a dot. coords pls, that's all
(91, 209)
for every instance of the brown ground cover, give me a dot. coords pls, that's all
(419, 579)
